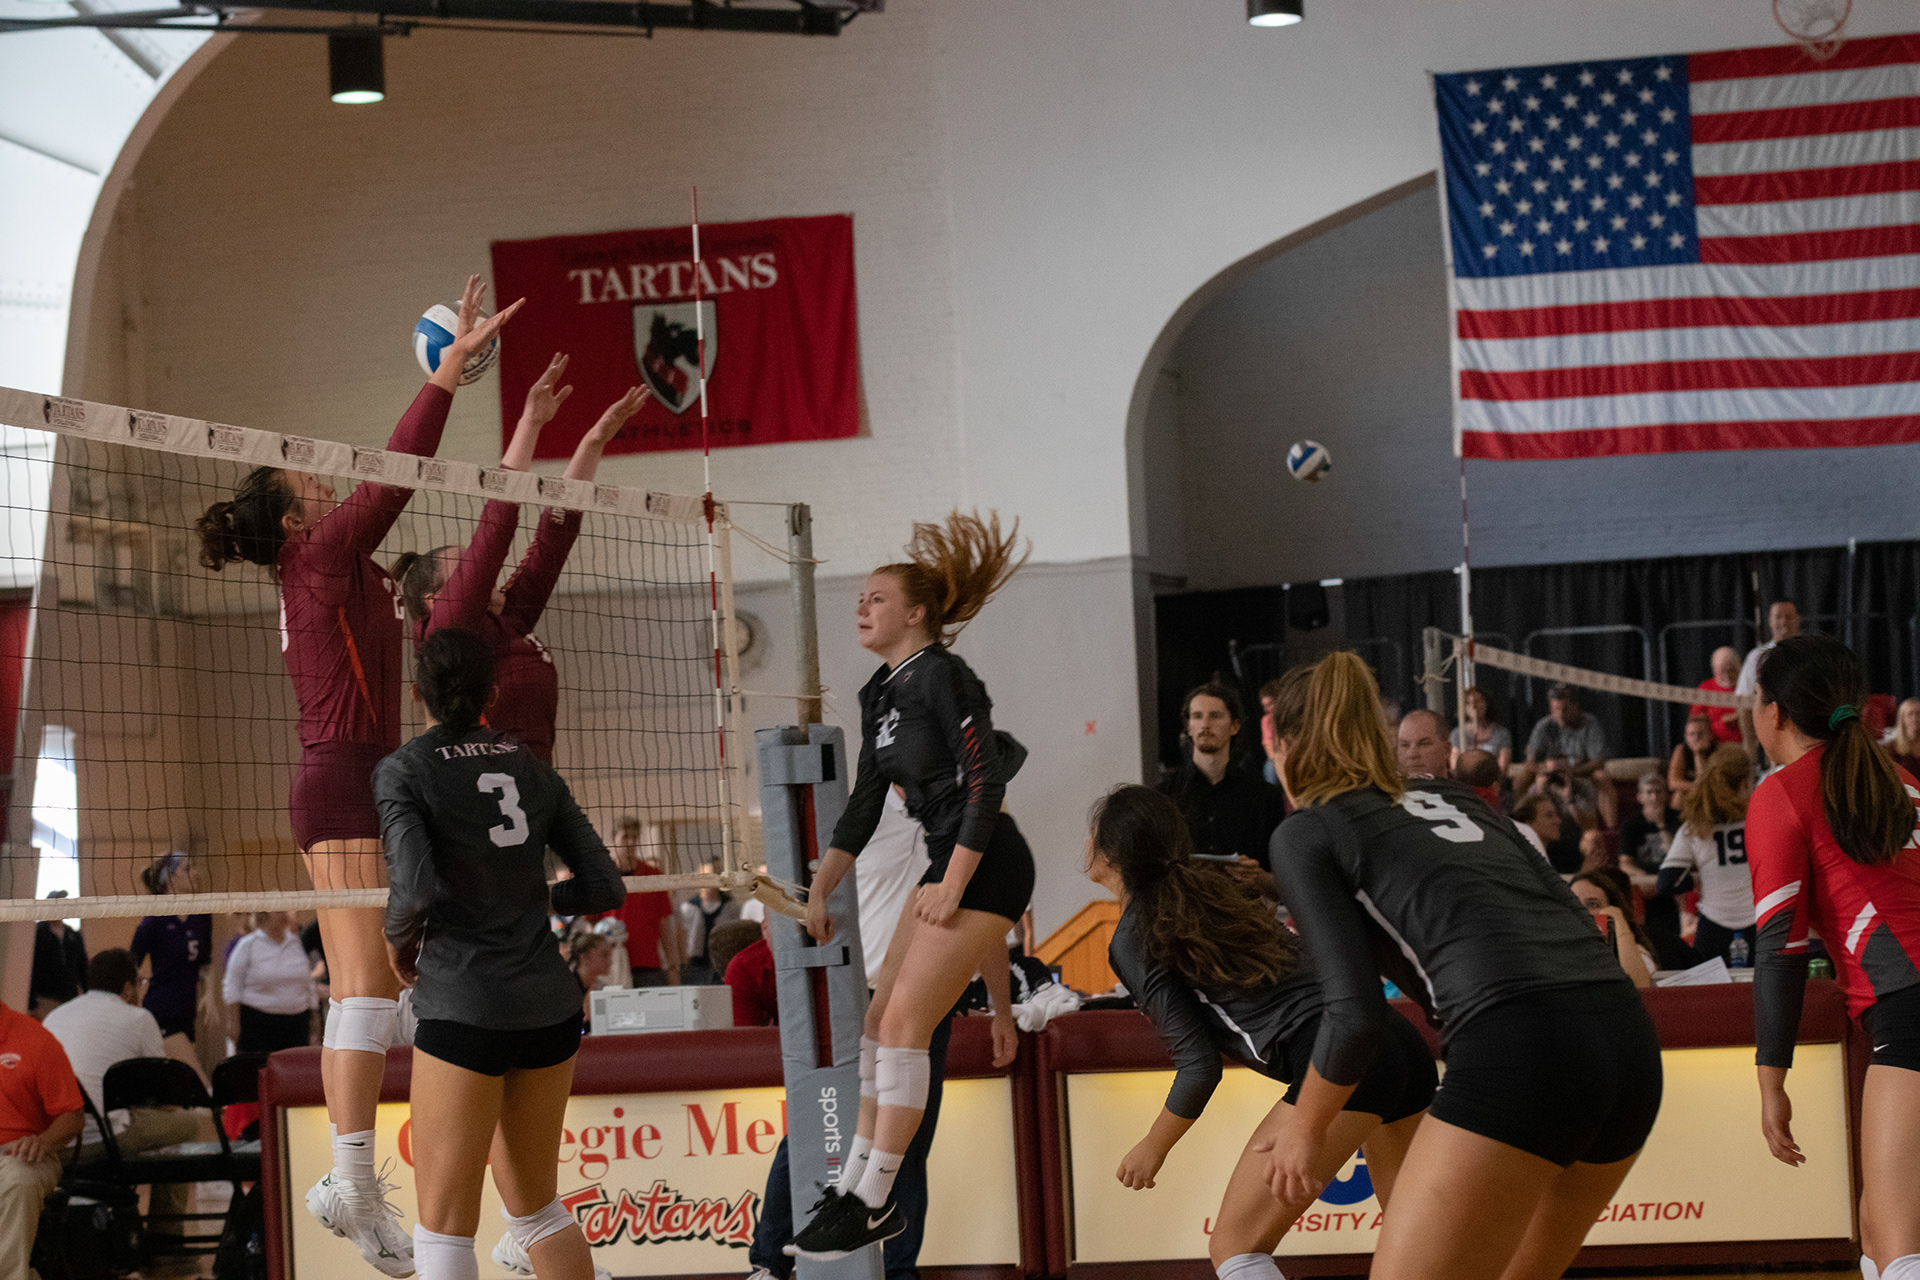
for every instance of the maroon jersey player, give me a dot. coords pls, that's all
(340, 637)
(446, 587)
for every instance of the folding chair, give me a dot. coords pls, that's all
(236, 1082)
(165, 1082)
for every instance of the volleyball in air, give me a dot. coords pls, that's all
(1308, 460)
(434, 333)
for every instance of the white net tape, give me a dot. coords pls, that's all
(1581, 677)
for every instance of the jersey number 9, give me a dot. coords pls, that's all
(514, 830)
(1449, 823)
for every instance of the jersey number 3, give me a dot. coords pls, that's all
(514, 830)
(1448, 822)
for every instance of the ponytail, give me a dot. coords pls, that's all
(420, 574)
(1336, 739)
(249, 526)
(952, 570)
(1820, 683)
(1199, 919)
(1719, 795)
(454, 673)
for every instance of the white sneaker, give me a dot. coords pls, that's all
(370, 1222)
(510, 1256)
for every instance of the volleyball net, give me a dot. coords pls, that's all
(156, 716)
(1467, 653)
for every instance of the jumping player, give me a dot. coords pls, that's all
(1218, 977)
(1830, 842)
(340, 637)
(925, 726)
(468, 814)
(447, 588)
(1553, 1069)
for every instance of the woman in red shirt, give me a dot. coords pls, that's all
(1830, 845)
(340, 636)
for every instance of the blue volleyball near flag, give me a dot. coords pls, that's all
(434, 333)
(1308, 460)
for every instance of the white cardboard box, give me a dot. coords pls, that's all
(626, 1011)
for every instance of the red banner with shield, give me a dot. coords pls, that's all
(777, 302)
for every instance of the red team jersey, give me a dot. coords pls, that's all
(529, 702)
(1869, 917)
(340, 615)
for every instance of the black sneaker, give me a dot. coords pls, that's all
(848, 1227)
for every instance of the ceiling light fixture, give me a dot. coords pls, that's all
(356, 66)
(1275, 13)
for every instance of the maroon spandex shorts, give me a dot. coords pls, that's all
(332, 795)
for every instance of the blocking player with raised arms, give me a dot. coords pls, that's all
(1831, 846)
(1553, 1068)
(926, 727)
(446, 587)
(468, 814)
(1217, 975)
(340, 638)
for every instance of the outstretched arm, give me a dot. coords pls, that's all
(586, 455)
(544, 399)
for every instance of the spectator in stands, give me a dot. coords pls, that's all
(1783, 622)
(1691, 758)
(268, 987)
(749, 972)
(1603, 891)
(1595, 854)
(1229, 811)
(1645, 837)
(1903, 744)
(590, 956)
(1725, 679)
(177, 950)
(59, 965)
(1566, 734)
(1479, 730)
(105, 1026)
(653, 932)
(707, 910)
(1538, 819)
(1421, 745)
(1710, 853)
(1481, 771)
(1269, 744)
(40, 1114)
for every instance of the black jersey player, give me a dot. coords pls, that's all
(467, 814)
(1553, 1069)
(1219, 978)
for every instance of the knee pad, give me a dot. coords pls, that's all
(1868, 1270)
(538, 1225)
(365, 1024)
(331, 1027)
(869, 1067)
(1904, 1267)
(904, 1077)
(443, 1257)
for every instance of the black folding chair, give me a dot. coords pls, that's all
(165, 1082)
(237, 1081)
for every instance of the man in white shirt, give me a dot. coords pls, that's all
(1783, 620)
(107, 1025)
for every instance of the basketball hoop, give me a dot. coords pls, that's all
(1819, 25)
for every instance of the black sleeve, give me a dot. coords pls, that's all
(409, 849)
(1181, 1025)
(596, 884)
(966, 716)
(1779, 991)
(1673, 880)
(862, 813)
(1354, 1010)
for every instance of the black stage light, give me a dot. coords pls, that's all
(1275, 13)
(356, 67)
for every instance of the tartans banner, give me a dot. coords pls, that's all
(777, 307)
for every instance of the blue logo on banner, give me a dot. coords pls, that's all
(1352, 1189)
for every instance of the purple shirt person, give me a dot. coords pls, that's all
(177, 948)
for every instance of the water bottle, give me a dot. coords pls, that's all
(1820, 968)
(1737, 952)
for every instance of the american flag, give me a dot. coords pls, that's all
(1702, 251)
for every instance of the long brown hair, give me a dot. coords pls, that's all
(1196, 918)
(1820, 684)
(247, 527)
(1719, 795)
(952, 570)
(420, 574)
(1336, 740)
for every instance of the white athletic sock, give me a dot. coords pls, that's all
(1904, 1267)
(1249, 1266)
(1868, 1271)
(442, 1257)
(353, 1161)
(857, 1164)
(876, 1184)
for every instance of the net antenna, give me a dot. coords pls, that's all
(1818, 25)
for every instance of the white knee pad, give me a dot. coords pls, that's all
(331, 1027)
(869, 1067)
(1904, 1267)
(538, 1225)
(1868, 1270)
(443, 1257)
(1249, 1266)
(365, 1024)
(904, 1076)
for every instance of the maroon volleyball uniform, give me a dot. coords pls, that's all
(340, 619)
(529, 700)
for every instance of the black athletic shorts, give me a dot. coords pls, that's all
(494, 1053)
(1571, 1074)
(1399, 1082)
(1894, 1023)
(1003, 882)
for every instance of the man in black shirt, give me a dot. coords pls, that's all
(1229, 810)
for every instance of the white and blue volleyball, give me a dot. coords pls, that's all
(434, 334)
(1308, 460)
